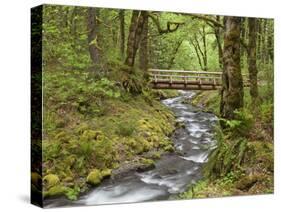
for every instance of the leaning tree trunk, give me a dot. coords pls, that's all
(134, 37)
(252, 61)
(143, 54)
(204, 55)
(93, 29)
(232, 83)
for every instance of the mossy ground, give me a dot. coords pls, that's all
(91, 127)
(243, 162)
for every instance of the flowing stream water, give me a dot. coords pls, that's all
(174, 172)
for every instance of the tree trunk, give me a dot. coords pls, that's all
(259, 31)
(252, 62)
(93, 29)
(232, 84)
(270, 41)
(204, 55)
(264, 35)
(143, 54)
(134, 36)
(122, 32)
(194, 43)
(218, 39)
(172, 60)
(243, 38)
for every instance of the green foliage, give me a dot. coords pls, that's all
(241, 124)
(126, 128)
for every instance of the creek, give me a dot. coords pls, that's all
(173, 173)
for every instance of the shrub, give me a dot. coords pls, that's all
(241, 124)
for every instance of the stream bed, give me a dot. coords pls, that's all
(174, 172)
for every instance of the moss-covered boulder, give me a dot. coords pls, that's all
(106, 173)
(95, 177)
(54, 191)
(146, 164)
(51, 180)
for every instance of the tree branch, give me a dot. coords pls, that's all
(205, 18)
(170, 24)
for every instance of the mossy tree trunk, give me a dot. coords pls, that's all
(252, 61)
(122, 32)
(218, 35)
(232, 84)
(134, 37)
(93, 29)
(143, 54)
(270, 41)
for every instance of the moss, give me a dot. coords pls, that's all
(180, 124)
(51, 180)
(36, 179)
(62, 136)
(106, 173)
(169, 148)
(94, 177)
(89, 135)
(146, 164)
(156, 155)
(247, 182)
(68, 179)
(57, 190)
(128, 128)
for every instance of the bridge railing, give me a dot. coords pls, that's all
(187, 77)
(190, 77)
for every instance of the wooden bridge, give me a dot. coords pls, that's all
(187, 80)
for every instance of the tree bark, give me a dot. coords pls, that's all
(172, 60)
(217, 31)
(93, 29)
(270, 41)
(143, 54)
(204, 55)
(194, 44)
(232, 84)
(134, 37)
(122, 32)
(252, 61)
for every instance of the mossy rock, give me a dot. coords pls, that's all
(36, 179)
(169, 148)
(55, 191)
(95, 177)
(89, 135)
(247, 182)
(156, 155)
(106, 173)
(51, 180)
(146, 164)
